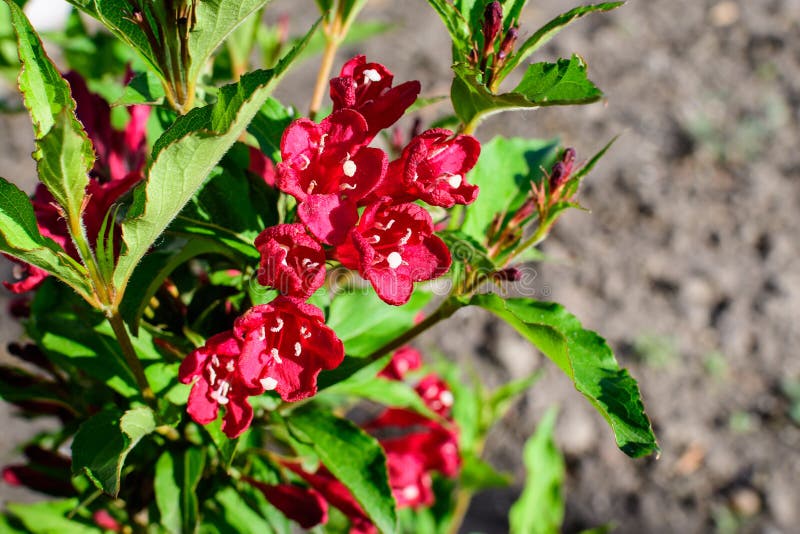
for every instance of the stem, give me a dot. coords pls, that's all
(115, 319)
(333, 37)
(445, 310)
(463, 500)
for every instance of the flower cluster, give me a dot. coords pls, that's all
(415, 448)
(354, 205)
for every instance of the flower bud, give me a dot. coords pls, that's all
(507, 46)
(492, 24)
(509, 274)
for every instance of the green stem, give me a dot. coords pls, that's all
(445, 310)
(117, 324)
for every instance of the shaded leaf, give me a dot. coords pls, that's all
(51, 518)
(354, 457)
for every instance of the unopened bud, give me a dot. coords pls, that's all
(492, 24)
(569, 159)
(509, 41)
(509, 274)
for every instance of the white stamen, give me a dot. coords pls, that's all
(269, 383)
(394, 259)
(454, 181)
(229, 366)
(275, 356)
(371, 75)
(410, 492)
(389, 224)
(406, 237)
(375, 239)
(349, 168)
(298, 349)
(347, 187)
(221, 394)
(305, 162)
(322, 143)
(415, 178)
(446, 398)
(311, 186)
(304, 332)
(212, 375)
(278, 326)
(307, 263)
(262, 334)
(214, 360)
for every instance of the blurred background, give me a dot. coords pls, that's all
(688, 263)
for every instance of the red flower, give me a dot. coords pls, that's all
(326, 169)
(393, 246)
(338, 496)
(213, 369)
(433, 168)
(405, 359)
(367, 88)
(262, 166)
(436, 394)
(304, 505)
(106, 521)
(285, 344)
(291, 261)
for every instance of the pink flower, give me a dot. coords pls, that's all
(106, 521)
(436, 394)
(433, 168)
(367, 88)
(326, 168)
(304, 505)
(291, 261)
(213, 370)
(262, 166)
(393, 246)
(285, 345)
(405, 359)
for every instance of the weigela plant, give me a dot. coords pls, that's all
(219, 293)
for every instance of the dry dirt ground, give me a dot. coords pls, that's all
(688, 263)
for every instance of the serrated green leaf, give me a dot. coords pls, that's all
(104, 441)
(64, 154)
(51, 518)
(457, 26)
(546, 32)
(504, 172)
(354, 457)
(20, 238)
(544, 84)
(540, 508)
(365, 323)
(586, 358)
(185, 155)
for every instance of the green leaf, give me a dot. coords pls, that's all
(176, 479)
(104, 441)
(586, 358)
(144, 88)
(268, 126)
(20, 238)
(354, 457)
(478, 475)
(52, 518)
(504, 173)
(386, 392)
(540, 508)
(501, 398)
(185, 155)
(557, 84)
(365, 323)
(225, 445)
(63, 152)
(457, 26)
(544, 84)
(229, 508)
(546, 32)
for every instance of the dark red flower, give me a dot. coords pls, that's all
(367, 88)
(436, 394)
(326, 168)
(213, 370)
(291, 261)
(338, 496)
(393, 246)
(304, 505)
(285, 344)
(433, 168)
(405, 359)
